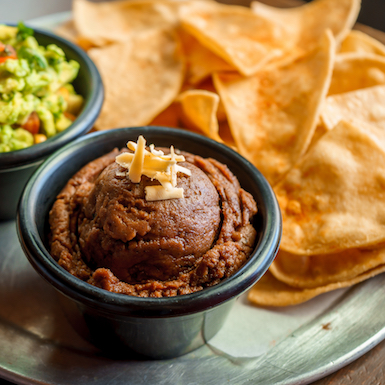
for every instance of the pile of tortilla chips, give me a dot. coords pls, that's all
(296, 91)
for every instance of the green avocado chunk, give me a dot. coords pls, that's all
(33, 78)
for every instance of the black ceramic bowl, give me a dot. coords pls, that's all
(155, 327)
(17, 166)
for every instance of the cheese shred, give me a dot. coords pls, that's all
(155, 165)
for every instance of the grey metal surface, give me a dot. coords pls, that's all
(38, 346)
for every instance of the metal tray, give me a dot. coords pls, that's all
(300, 344)
(38, 346)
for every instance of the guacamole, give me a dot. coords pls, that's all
(37, 99)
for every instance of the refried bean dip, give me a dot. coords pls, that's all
(105, 232)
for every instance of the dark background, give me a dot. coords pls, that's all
(373, 13)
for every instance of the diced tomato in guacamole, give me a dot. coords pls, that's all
(37, 99)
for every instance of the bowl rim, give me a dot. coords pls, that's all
(123, 304)
(82, 123)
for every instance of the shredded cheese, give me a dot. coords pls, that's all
(155, 165)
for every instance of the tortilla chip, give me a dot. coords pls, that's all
(208, 85)
(319, 270)
(333, 199)
(273, 114)
(320, 131)
(269, 291)
(353, 71)
(142, 77)
(226, 135)
(69, 32)
(364, 105)
(360, 42)
(304, 25)
(201, 62)
(117, 21)
(234, 33)
(199, 111)
(168, 117)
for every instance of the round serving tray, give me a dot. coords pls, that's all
(38, 346)
(294, 345)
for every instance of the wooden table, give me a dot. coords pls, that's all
(367, 370)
